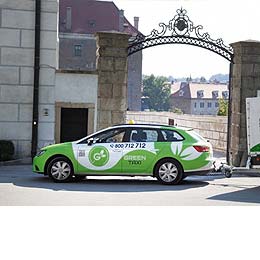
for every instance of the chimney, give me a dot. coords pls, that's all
(68, 18)
(136, 22)
(121, 20)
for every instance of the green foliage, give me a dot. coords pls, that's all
(158, 92)
(177, 111)
(6, 150)
(223, 107)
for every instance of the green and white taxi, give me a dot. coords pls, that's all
(165, 152)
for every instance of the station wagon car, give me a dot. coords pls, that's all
(165, 152)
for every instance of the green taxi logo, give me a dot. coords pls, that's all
(98, 156)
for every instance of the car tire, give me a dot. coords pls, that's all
(60, 169)
(169, 172)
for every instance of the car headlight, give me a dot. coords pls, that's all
(41, 152)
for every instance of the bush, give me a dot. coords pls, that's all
(223, 107)
(6, 150)
(177, 111)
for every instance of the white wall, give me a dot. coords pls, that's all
(77, 88)
(17, 23)
(213, 110)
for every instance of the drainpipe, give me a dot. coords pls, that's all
(37, 39)
(229, 115)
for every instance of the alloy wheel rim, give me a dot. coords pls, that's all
(60, 170)
(168, 172)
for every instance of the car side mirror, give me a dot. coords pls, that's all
(90, 141)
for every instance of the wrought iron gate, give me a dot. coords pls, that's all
(180, 30)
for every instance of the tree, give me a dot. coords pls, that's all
(158, 91)
(223, 107)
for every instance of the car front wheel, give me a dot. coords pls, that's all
(169, 172)
(60, 169)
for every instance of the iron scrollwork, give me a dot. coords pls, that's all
(180, 30)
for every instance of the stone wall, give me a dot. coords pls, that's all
(134, 81)
(213, 128)
(17, 22)
(112, 78)
(245, 83)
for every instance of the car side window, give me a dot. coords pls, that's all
(144, 135)
(110, 136)
(171, 136)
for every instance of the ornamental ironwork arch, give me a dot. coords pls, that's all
(180, 30)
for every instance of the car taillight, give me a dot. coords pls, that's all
(201, 149)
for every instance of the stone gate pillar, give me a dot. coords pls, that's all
(112, 78)
(245, 81)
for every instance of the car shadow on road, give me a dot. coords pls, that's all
(248, 195)
(104, 185)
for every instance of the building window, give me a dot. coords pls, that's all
(195, 104)
(200, 94)
(209, 104)
(225, 94)
(91, 23)
(77, 50)
(201, 105)
(215, 94)
(181, 93)
(216, 104)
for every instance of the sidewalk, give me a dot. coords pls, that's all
(23, 161)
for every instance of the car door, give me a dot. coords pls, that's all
(139, 151)
(102, 153)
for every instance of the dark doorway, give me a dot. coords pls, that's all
(74, 124)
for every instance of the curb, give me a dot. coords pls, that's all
(237, 174)
(23, 161)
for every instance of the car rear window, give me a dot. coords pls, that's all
(171, 136)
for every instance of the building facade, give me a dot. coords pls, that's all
(78, 23)
(198, 98)
(64, 105)
(17, 46)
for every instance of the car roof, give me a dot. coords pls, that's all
(154, 126)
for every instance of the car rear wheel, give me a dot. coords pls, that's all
(169, 172)
(60, 169)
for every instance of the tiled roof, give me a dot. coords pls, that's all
(190, 90)
(130, 29)
(90, 16)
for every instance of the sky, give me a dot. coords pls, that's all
(231, 20)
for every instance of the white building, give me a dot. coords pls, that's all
(198, 98)
(60, 93)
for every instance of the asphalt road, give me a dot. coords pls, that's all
(20, 186)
